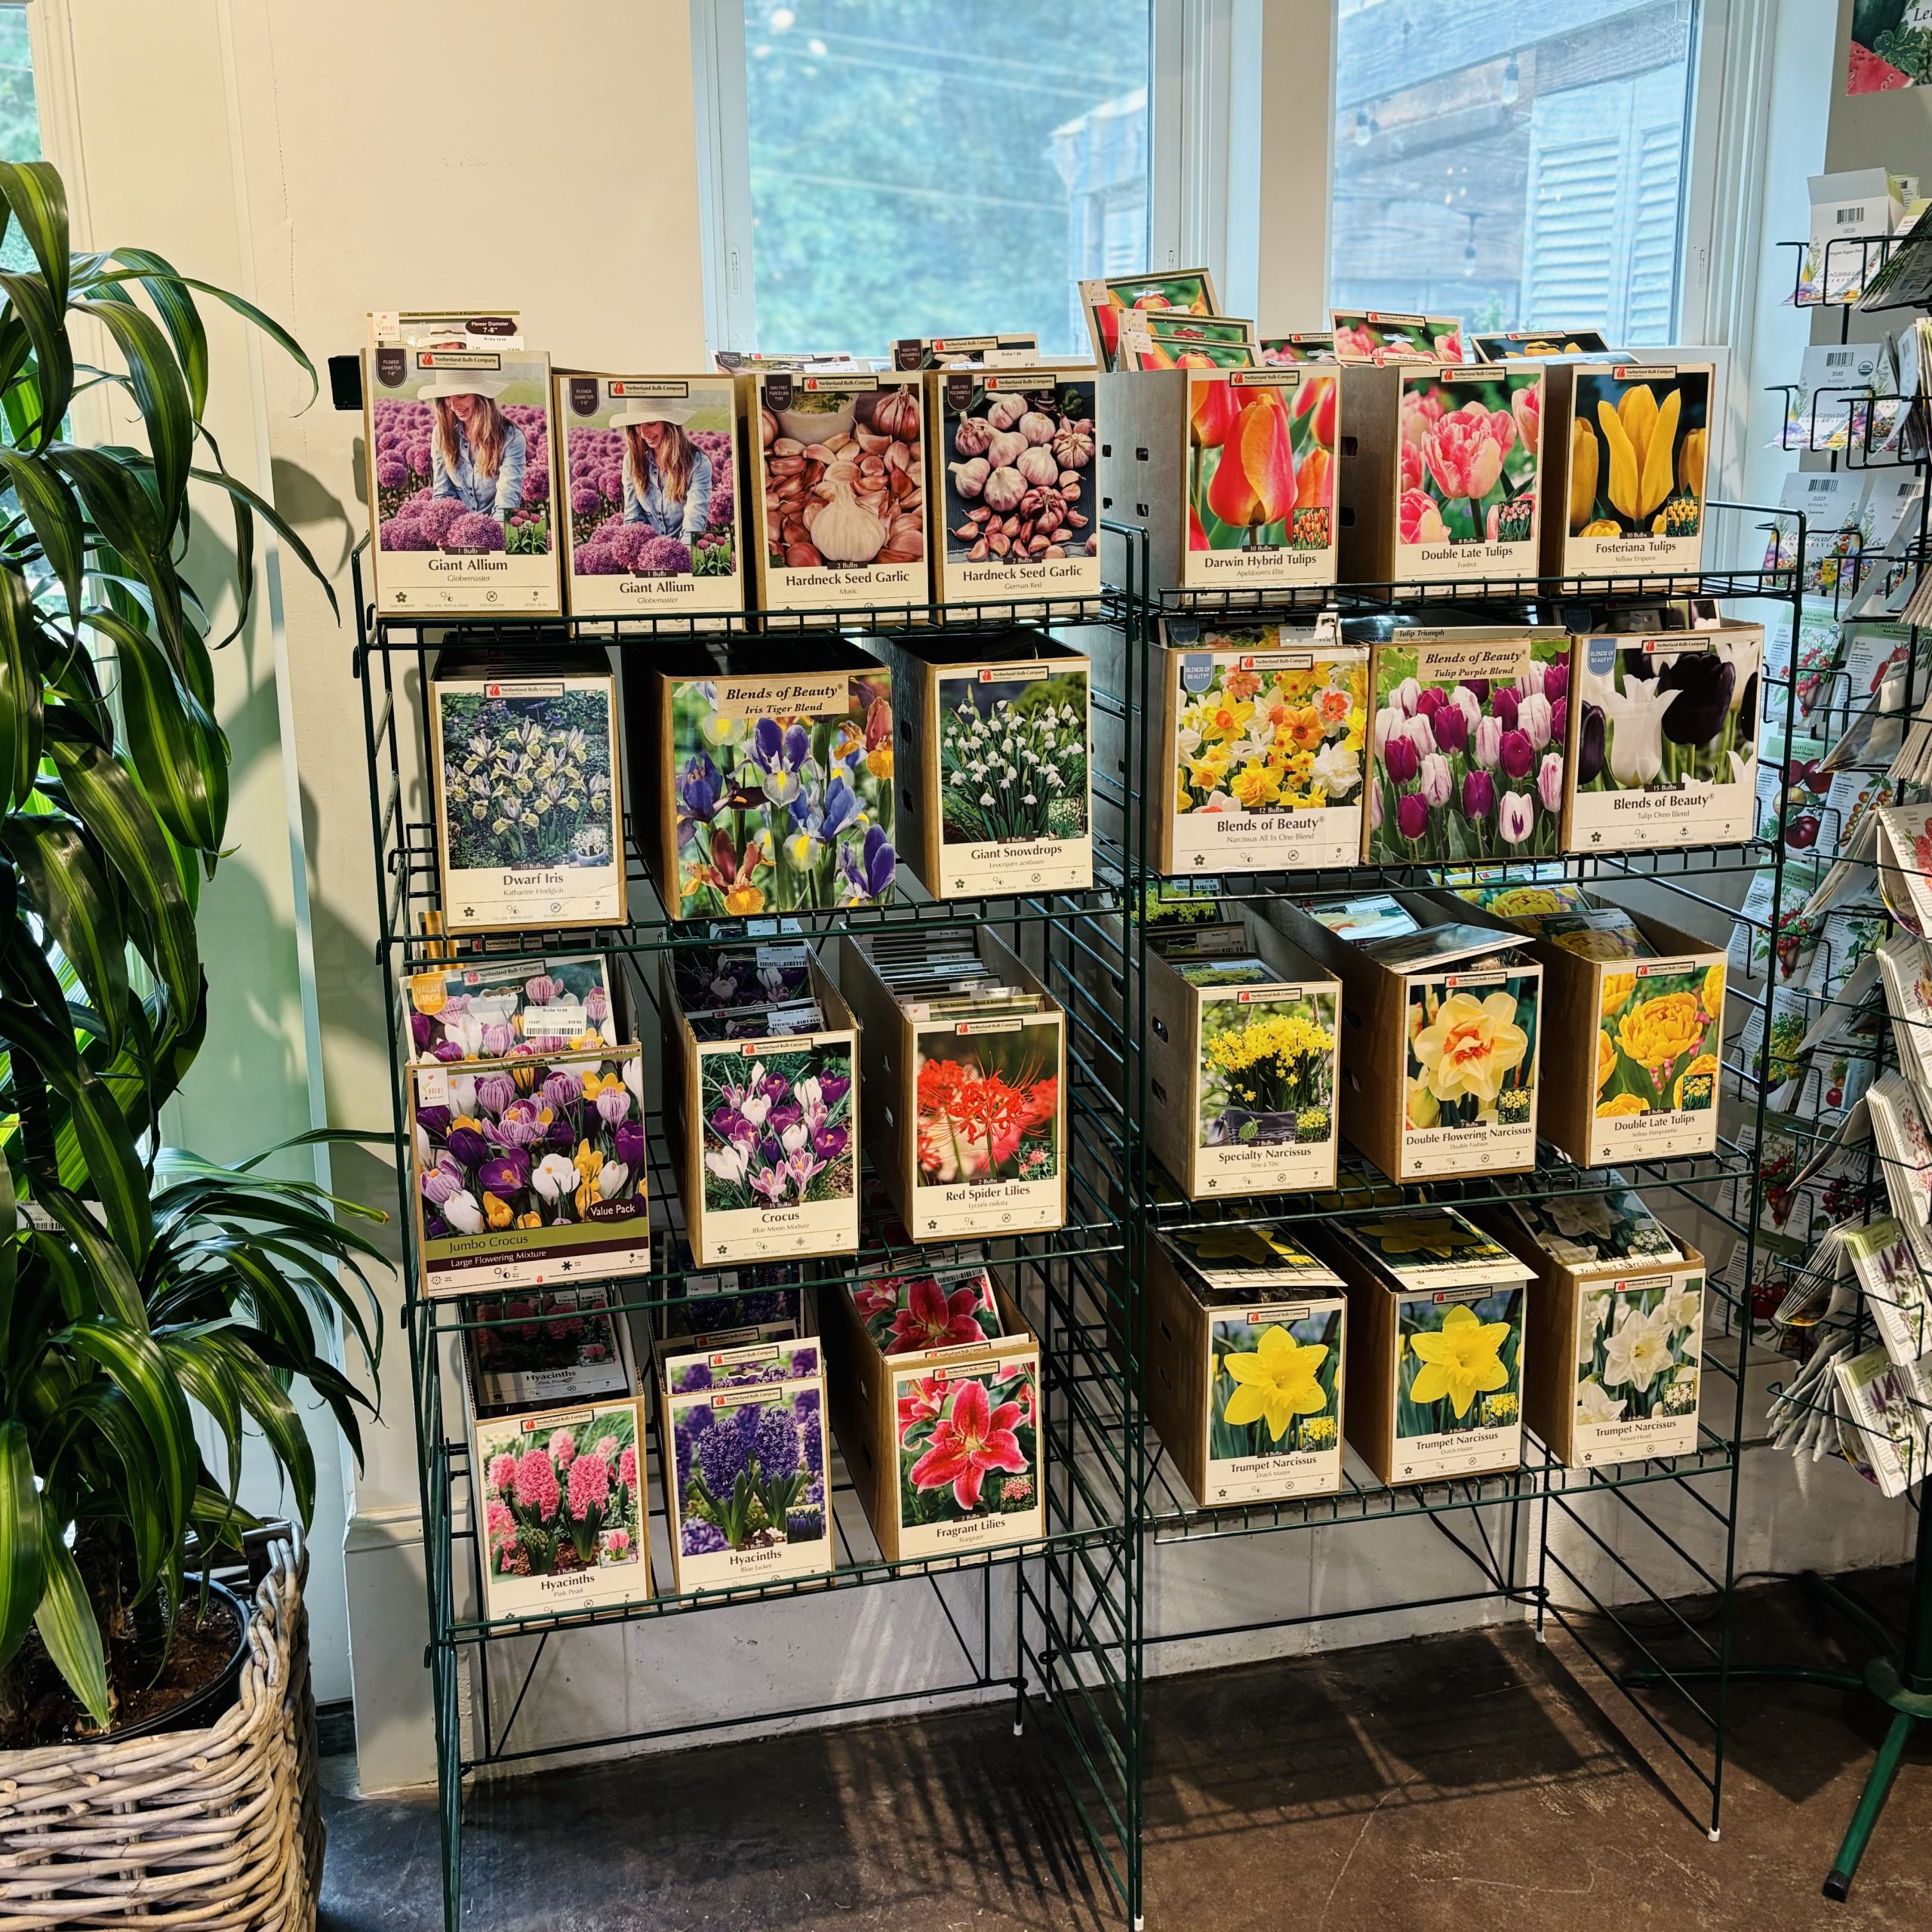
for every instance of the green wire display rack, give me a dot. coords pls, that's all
(1059, 1626)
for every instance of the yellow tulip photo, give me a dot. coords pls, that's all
(1638, 452)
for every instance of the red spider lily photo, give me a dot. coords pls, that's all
(989, 1105)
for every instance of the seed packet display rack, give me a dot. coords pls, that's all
(1059, 1625)
(1897, 1672)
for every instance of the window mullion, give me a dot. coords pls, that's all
(724, 173)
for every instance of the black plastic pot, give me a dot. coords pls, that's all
(214, 1696)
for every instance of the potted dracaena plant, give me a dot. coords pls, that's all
(135, 1279)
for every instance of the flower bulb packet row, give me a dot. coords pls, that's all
(529, 1172)
(1436, 1345)
(1244, 1061)
(742, 1441)
(935, 1398)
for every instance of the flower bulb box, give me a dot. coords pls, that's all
(735, 1305)
(1440, 1035)
(1665, 741)
(966, 1114)
(837, 506)
(1436, 1346)
(1243, 1061)
(742, 1438)
(530, 1172)
(544, 1348)
(763, 1132)
(557, 1495)
(1467, 731)
(1014, 508)
(1633, 1046)
(763, 771)
(480, 1008)
(1244, 1379)
(650, 511)
(1440, 472)
(1232, 471)
(1616, 1353)
(1626, 475)
(994, 749)
(1264, 729)
(525, 789)
(942, 1440)
(461, 447)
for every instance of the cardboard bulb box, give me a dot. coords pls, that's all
(742, 1434)
(525, 790)
(1237, 469)
(1467, 736)
(1245, 1364)
(733, 1306)
(1665, 749)
(479, 1008)
(763, 774)
(1442, 1028)
(764, 1125)
(837, 509)
(1616, 1327)
(1436, 1345)
(966, 1098)
(531, 1171)
(1440, 471)
(1265, 731)
(936, 1399)
(650, 495)
(994, 751)
(1628, 446)
(460, 443)
(1243, 1061)
(545, 1349)
(557, 1495)
(1012, 496)
(1634, 1031)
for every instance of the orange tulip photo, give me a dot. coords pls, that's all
(1261, 473)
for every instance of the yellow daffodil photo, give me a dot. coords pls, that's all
(1457, 1358)
(1274, 1389)
(1267, 1071)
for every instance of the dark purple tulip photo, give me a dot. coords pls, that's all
(1503, 707)
(1589, 743)
(1402, 760)
(1412, 815)
(1478, 794)
(1451, 728)
(1517, 755)
(1703, 682)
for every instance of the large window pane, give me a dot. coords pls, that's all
(942, 167)
(20, 118)
(1519, 166)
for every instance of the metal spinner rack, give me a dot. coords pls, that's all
(1059, 1624)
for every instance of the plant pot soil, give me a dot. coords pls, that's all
(194, 1687)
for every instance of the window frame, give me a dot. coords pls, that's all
(1196, 140)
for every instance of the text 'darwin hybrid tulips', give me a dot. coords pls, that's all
(1637, 454)
(1261, 476)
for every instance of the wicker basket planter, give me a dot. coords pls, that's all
(219, 1828)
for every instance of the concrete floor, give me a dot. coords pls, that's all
(1459, 1781)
